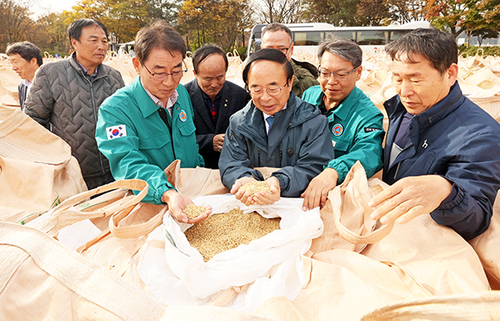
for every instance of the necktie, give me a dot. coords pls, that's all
(214, 113)
(270, 120)
(163, 115)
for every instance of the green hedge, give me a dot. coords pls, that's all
(472, 50)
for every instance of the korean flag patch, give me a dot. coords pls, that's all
(116, 131)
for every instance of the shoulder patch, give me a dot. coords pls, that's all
(116, 131)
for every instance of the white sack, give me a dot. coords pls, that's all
(177, 274)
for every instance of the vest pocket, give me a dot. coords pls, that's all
(187, 129)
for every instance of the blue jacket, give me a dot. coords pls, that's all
(298, 143)
(458, 140)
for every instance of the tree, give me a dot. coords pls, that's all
(280, 11)
(167, 10)
(55, 27)
(405, 11)
(123, 18)
(215, 21)
(491, 12)
(336, 12)
(15, 23)
(457, 16)
(372, 13)
(447, 15)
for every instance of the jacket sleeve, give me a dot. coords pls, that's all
(476, 176)
(367, 148)
(40, 101)
(304, 80)
(234, 162)
(125, 158)
(205, 142)
(313, 156)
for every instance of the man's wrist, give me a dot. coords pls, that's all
(168, 195)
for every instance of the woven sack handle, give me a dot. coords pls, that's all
(134, 231)
(373, 237)
(483, 306)
(68, 212)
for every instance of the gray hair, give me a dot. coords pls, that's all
(344, 48)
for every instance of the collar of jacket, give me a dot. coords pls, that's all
(444, 107)
(288, 118)
(100, 70)
(345, 107)
(145, 103)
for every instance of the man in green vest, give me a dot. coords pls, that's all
(148, 124)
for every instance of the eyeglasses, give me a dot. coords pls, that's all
(340, 76)
(283, 50)
(161, 76)
(257, 92)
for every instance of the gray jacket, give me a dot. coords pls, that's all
(299, 143)
(63, 96)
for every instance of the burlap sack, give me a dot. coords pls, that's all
(41, 279)
(37, 170)
(347, 215)
(123, 64)
(486, 247)
(418, 259)
(9, 81)
(481, 306)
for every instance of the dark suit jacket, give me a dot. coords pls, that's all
(233, 99)
(22, 91)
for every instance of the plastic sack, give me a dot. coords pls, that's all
(272, 265)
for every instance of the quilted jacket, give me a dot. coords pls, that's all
(64, 97)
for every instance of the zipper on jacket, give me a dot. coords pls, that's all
(397, 169)
(281, 156)
(95, 120)
(258, 156)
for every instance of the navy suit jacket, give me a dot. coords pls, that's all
(233, 99)
(22, 92)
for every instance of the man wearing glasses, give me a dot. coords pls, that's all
(279, 36)
(355, 124)
(148, 124)
(275, 129)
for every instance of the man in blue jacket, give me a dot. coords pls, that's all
(275, 129)
(442, 152)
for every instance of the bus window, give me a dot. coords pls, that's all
(395, 35)
(372, 38)
(308, 38)
(350, 35)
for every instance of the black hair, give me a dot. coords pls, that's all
(26, 50)
(270, 55)
(158, 35)
(437, 46)
(204, 52)
(75, 28)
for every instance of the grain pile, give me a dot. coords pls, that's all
(225, 231)
(256, 186)
(193, 211)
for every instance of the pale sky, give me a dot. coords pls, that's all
(40, 7)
